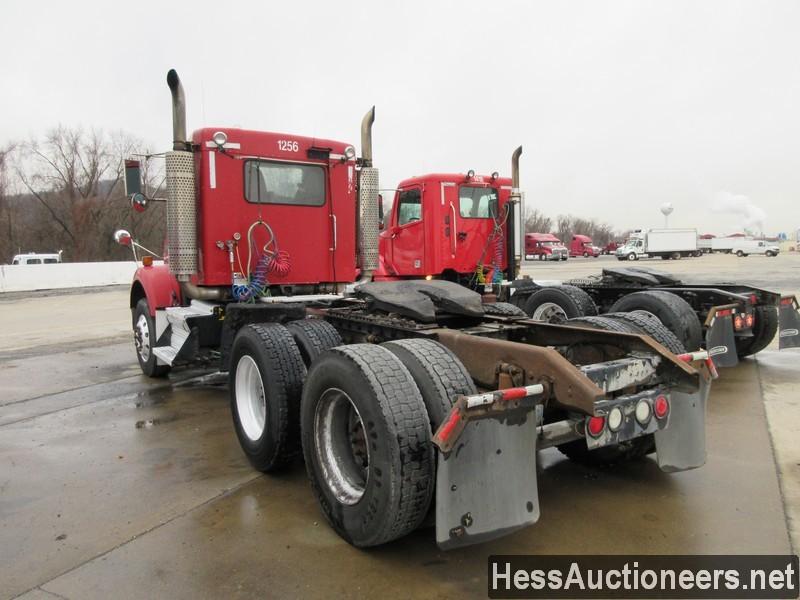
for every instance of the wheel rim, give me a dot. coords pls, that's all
(251, 402)
(631, 256)
(549, 312)
(141, 337)
(341, 446)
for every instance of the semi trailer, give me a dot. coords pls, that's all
(405, 398)
(731, 320)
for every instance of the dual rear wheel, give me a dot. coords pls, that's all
(362, 413)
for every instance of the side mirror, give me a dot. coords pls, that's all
(133, 185)
(133, 177)
(380, 212)
(122, 237)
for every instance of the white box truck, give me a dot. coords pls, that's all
(666, 243)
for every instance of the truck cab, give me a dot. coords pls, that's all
(582, 245)
(446, 225)
(544, 246)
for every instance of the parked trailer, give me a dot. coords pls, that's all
(723, 245)
(731, 320)
(403, 397)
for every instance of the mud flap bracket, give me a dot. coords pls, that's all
(788, 323)
(486, 487)
(682, 445)
(720, 339)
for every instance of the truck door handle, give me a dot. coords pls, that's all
(335, 240)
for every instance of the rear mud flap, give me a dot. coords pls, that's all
(682, 445)
(486, 487)
(720, 341)
(788, 324)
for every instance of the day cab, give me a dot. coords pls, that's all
(445, 225)
(544, 246)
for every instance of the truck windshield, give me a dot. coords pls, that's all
(284, 183)
(477, 202)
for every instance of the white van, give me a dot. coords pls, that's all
(746, 247)
(33, 258)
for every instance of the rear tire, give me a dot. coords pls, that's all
(265, 382)
(144, 338)
(649, 324)
(366, 442)
(438, 373)
(673, 311)
(313, 337)
(503, 309)
(764, 330)
(559, 303)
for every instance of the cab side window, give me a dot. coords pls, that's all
(409, 206)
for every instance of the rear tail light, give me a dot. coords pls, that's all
(615, 419)
(661, 407)
(737, 322)
(643, 412)
(595, 425)
(749, 319)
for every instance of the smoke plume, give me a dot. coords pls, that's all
(752, 216)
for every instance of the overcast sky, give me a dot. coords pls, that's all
(620, 106)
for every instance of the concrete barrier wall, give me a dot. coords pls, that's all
(21, 278)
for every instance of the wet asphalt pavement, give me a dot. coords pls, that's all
(115, 485)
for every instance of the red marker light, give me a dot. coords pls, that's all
(596, 425)
(661, 407)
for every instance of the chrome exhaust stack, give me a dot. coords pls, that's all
(368, 209)
(514, 238)
(181, 193)
(178, 111)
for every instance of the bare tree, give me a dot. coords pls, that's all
(75, 179)
(536, 221)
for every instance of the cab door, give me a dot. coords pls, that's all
(407, 234)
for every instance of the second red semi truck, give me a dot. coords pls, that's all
(731, 320)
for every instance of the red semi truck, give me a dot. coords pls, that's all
(731, 320)
(581, 245)
(272, 248)
(544, 246)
